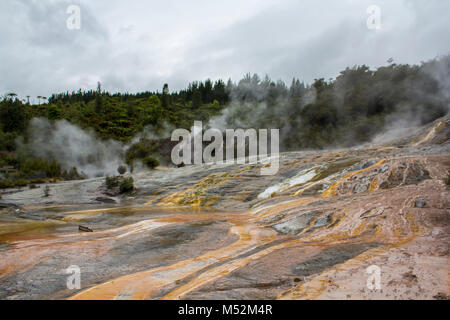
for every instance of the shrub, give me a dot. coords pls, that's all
(21, 183)
(111, 182)
(6, 183)
(38, 180)
(72, 174)
(126, 185)
(36, 166)
(150, 162)
(7, 141)
(53, 169)
(141, 150)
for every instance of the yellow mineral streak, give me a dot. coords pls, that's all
(196, 195)
(331, 191)
(22, 226)
(215, 273)
(252, 230)
(346, 225)
(432, 132)
(315, 287)
(145, 284)
(80, 216)
(373, 185)
(277, 208)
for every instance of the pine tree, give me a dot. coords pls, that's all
(165, 97)
(99, 99)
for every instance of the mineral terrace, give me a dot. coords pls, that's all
(226, 232)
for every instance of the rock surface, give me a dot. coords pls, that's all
(225, 232)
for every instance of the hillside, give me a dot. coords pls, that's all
(72, 135)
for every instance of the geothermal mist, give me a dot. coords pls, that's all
(251, 106)
(72, 146)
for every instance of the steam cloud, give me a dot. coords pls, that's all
(72, 146)
(252, 106)
(421, 99)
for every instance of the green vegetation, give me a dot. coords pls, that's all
(121, 116)
(20, 171)
(112, 182)
(124, 184)
(72, 174)
(347, 110)
(143, 151)
(40, 168)
(6, 183)
(150, 162)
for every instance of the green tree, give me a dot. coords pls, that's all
(99, 99)
(196, 100)
(53, 112)
(12, 116)
(154, 110)
(165, 97)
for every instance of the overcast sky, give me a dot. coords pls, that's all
(139, 45)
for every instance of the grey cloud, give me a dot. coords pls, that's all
(141, 47)
(41, 55)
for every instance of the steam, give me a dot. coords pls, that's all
(162, 131)
(397, 126)
(264, 105)
(261, 104)
(409, 117)
(72, 147)
(419, 98)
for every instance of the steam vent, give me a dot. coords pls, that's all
(312, 231)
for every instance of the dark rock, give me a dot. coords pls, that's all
(420, 203)
(441, 296)
(85, 229)
(105, 200)
(384, 185)
(369, 163)
(8, 205)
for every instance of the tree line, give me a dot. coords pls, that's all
(347, 110)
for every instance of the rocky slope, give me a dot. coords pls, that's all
(226, 232)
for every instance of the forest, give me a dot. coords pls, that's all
(350, 109)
